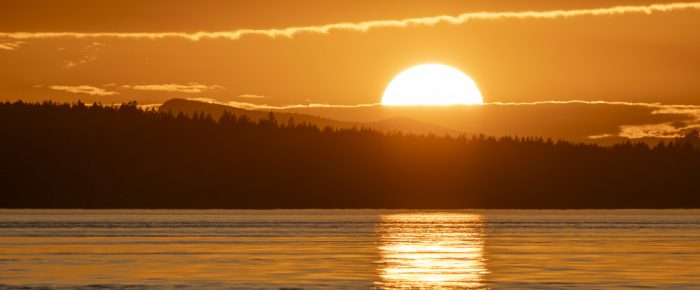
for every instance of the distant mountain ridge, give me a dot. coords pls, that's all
(403, 124)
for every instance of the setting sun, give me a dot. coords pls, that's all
(432, 85)
(345, 144)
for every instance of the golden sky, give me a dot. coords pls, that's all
(293, 52)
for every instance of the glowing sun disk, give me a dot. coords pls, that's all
(432, 85)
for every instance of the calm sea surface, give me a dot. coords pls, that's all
(210, 249)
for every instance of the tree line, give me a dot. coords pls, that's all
(93, 156)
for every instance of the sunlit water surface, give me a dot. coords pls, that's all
(210, 249)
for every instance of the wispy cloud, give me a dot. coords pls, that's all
(190, 88)
(662, 130)
(11, 45)
(250, 96)
(667, 129)
(599, 102)
(91, 50)
(84, 89)
(81, 61)
(290, 32)
(659, 107)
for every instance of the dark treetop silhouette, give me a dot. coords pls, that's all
(78, 156)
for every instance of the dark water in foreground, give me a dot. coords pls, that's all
(201, 249)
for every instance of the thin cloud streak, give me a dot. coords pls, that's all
(250, 96)
(663, 109)
(190, 88)
(322, 105)
(11, 45)
(621, 103)
(84, 89)
(290, 32)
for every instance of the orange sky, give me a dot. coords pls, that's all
(628, 57)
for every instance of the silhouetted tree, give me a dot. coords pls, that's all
(62, 155)
(692, 139)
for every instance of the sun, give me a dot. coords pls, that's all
(431, 85)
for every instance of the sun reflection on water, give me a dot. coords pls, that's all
(431, 250)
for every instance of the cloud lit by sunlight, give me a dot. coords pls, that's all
(290, 32)
(190, 88)
(12, 45)
(84, 89)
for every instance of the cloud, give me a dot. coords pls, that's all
(661, 108)
(190, 88)
(12, 45)
(666, 129)
(91, 50)
(598, 102)
(249, 96)
(290, 32)
(673, 129)
(83, 89)
(663, 130)
(84, 60)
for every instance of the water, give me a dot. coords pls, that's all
(211, 249)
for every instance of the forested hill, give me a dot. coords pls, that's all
(78, 156)
(190, 107)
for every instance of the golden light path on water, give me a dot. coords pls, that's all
(349, 249)
(431, 250)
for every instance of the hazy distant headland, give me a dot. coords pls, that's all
(78, 156)
(403, 124)
(588, 122)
